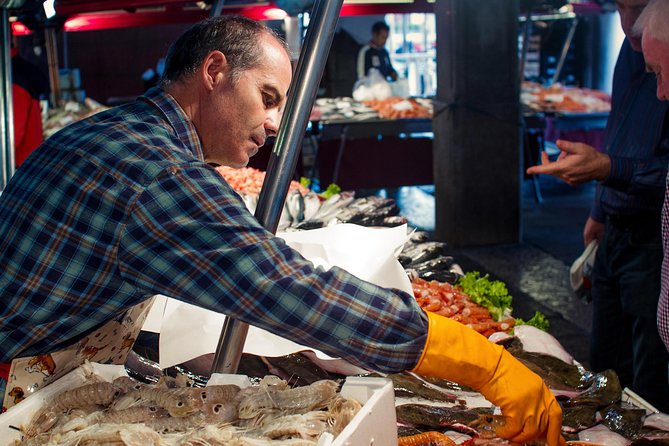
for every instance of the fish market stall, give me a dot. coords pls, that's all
(575, 114)
(394, 135)
(402, 408)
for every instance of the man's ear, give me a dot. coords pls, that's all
(214, 69)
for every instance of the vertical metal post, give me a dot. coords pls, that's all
(284, 157)
(527, 33)
(217, 8)
(6, 111)
(565, 50)
(52, 58)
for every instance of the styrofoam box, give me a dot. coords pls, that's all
(374, 425)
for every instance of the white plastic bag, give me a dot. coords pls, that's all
(581, 271)
(371, 87)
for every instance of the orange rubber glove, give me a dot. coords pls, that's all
(455, 352)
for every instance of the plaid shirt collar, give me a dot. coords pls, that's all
(177, 118)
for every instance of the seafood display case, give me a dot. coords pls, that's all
(371, 423)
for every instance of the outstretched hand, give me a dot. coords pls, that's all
(577, 163)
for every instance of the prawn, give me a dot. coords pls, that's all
(300, 399)
(308, 426)
(341, 412)
(431, 438)
(126, 434)
(179, 402)
(136, 414)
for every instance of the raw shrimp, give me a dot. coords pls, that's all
(126, 434)
(178, 402)
(341, 412)
(180, 424)
(210, 435)
(220, 412)
(136, 414)
(300, 399)
(224, 393)
(102, 393)
(431, 438)
(309, 425)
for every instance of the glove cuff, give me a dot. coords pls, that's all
(456, 352)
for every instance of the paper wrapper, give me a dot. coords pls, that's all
(109, 344)
(368, 253)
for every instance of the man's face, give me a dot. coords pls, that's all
(238, 118)
(629, 11)
(656, 54)
(379, 38)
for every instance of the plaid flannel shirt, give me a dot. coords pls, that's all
(121, 206)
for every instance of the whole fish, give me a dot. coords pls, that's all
(578, 418)
(424, 251)
(311, 205)
(604, 390)
(438, 263)
(393, 220)
(556, 373)
(624, 419)
(650, 441)
(600, 434)
(438, 416)
(408, 385)
(440, 276)
(419, 237)
(539, 341)
(298, 370)
(252, 366)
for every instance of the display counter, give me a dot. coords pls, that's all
(373, 153)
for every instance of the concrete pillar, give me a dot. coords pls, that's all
(477, 144)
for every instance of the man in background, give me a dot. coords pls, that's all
(652, 25)
(625, 219)
(375, 55)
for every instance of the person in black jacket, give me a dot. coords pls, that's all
(375, 55)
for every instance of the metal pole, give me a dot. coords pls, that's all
(217, 8)
(565, 50)
(527, 32)
(284, 157)
(6, 110)
(52, 58)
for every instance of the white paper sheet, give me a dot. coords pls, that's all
(187, 331)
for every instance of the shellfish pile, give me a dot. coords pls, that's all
(127, 412)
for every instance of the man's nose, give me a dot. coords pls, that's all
(272, 122)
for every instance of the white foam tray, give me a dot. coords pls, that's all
(374, 425)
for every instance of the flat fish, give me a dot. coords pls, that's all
(624, 419)
(253, 367)
(578, 418)
(657, 421)
(410, 386)
(438, 416)
(539, 341)
(604, 390)
(603, 435)
(650, 442)
(556, 373)
(299, 370)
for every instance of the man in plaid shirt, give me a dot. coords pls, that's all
(127, 204)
